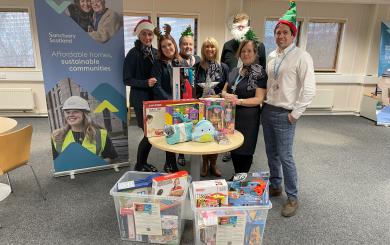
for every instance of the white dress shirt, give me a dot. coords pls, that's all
(291, 81)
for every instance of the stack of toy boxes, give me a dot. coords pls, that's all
(144, 217)
(242, 221)
(184, 112)
(220, 113)
(154, 115)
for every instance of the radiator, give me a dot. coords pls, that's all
(16, 99)
(323, 99)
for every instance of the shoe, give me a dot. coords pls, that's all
(146, 168)
(181, 160)
(214, 170)
(168, 168)
(226, 157)
(290, 208)
(275, 192)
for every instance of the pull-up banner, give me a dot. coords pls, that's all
(82, 52)
(384, 48)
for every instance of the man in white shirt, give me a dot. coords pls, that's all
(290, 89)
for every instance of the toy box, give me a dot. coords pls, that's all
(184, 112)
(178, 133)
(210, 193)
(154, 116)
(183, 86)
(249, 189)
(146, 218)
(220, 113)
(171, 184)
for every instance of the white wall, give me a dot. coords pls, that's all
(358, 52)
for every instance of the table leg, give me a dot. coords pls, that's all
(195, 167)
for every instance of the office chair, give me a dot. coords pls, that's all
(15, 152)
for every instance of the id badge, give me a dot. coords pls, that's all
(274, 84)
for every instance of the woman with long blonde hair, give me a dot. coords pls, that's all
(217, 73)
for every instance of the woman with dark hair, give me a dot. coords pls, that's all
(137, 74)
(81, 12)
(210, 68)
(168, 57)
(247, 88)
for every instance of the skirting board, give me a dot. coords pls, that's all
(72, 173)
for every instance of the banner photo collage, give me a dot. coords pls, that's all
(82, 52)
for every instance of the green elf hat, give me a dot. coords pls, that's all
(187, 32)
(290, 18)
(250, 35)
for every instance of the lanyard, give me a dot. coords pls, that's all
(277, 66)
(238, 80)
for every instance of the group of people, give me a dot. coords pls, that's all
(92, 16)
(279, 91)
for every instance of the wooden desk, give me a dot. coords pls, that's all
(196, 149)
(7, 124)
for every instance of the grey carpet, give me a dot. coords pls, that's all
(344, 178)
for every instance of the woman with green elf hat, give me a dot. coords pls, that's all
(246, 88)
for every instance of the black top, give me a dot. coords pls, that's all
(162, 71)
(108, 151)
(247, 119)
(201, 74)
(80, 17)
(229, 54)
(136, 71)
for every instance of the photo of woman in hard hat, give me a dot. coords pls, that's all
(80, 128)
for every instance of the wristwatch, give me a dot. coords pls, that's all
(241, 101)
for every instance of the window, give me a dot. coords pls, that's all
(16, 46)
(269, 38)
(323, 40)
(129, 23)
(179, 24)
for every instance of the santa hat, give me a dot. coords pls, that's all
(143, 25)
(290, 18)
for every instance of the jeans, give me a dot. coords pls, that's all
(279, 137)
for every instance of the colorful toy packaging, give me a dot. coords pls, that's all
(171, 184)
(154, 115)
(183, 86)
(220, 113)
(210, 193)
(250, 190)
(184, 112)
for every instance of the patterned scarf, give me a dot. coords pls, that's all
(253, 72)
(214, 71)
(147, 51)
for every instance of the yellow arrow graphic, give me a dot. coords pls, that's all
(106, 105)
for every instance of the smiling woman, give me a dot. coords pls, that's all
(80, 128)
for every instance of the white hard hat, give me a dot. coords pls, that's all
(76, 103)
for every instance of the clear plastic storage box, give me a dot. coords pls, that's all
(148, 218)
(230, 225)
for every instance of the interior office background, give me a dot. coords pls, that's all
(342, 36)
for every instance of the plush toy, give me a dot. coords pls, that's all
(177, 133)
(204, 131)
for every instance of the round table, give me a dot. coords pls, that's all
(7, 124)
(196, 149)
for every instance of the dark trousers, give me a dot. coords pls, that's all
(241, 163)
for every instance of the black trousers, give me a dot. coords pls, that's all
(241, 163)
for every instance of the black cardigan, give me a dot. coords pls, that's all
(229, 54)
(136, 71)
(200, 77)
